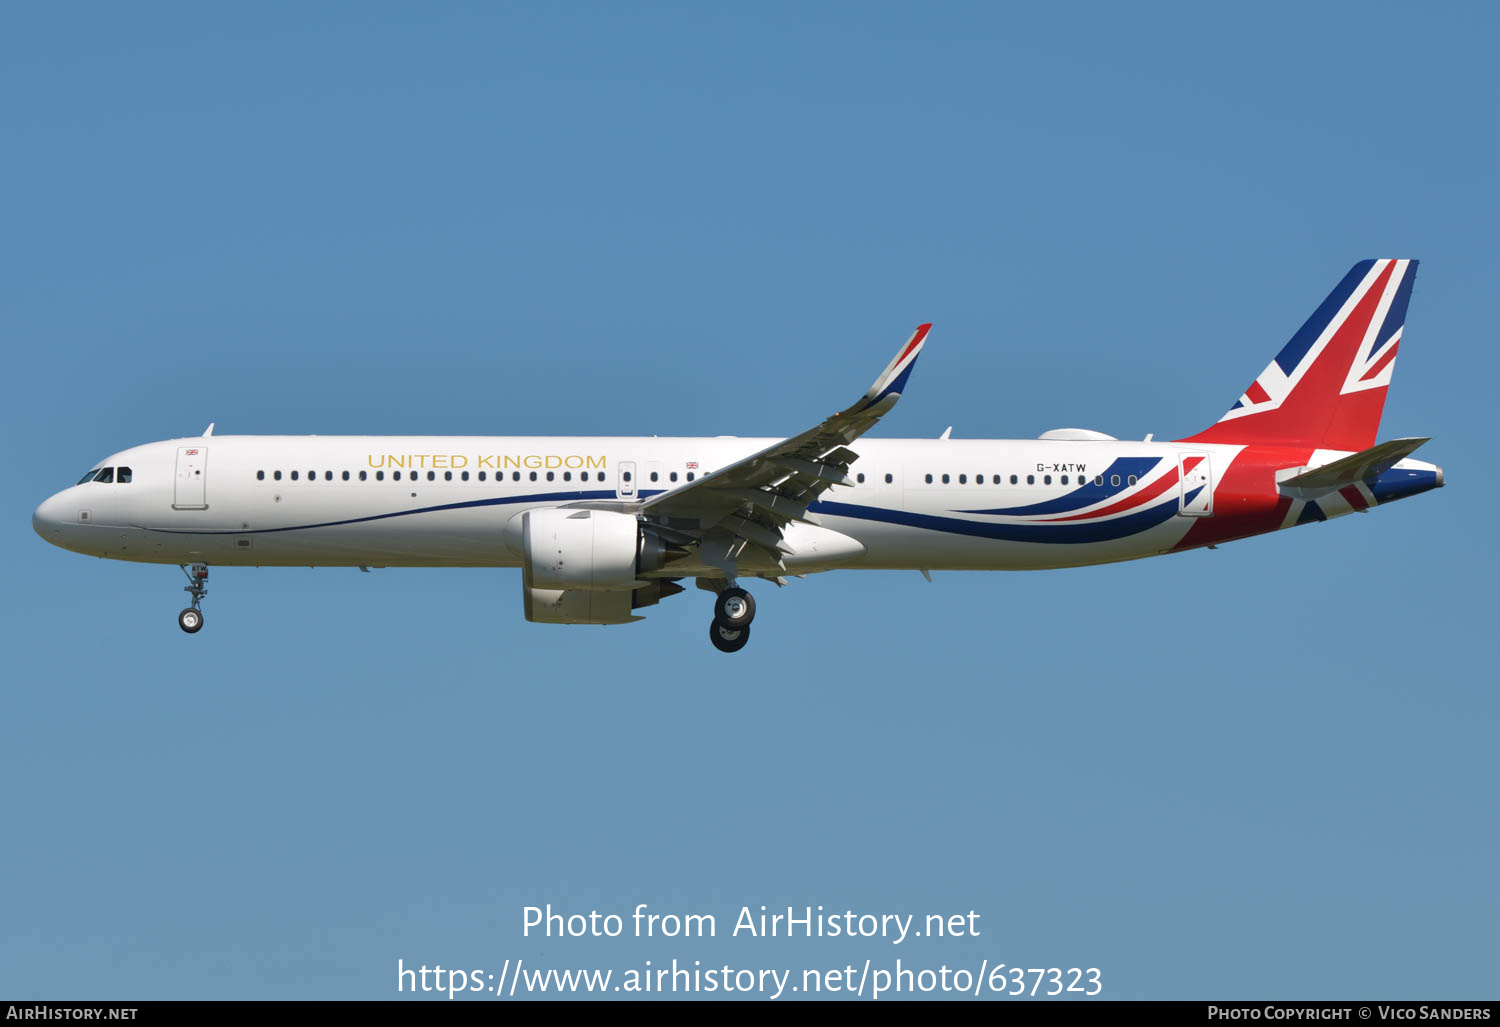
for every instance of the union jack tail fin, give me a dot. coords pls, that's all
(1326, 388)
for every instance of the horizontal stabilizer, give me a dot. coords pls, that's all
(1363, 466)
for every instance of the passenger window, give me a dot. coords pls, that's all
(691, 476)
(276, 475)
(514, 475)
(1098, 479)
(260, 475)
(294, 475)
(464, 475)
(327, 475)
(654, 475)
(380, 476)
(860, 478)
(432, 476)
(963, 479)
(363, 475)
(481, 476)
(929, 479)
(1031, 479)
(889, 479)
(945, 479)
(1114, 480)
(1046, 479)
(567, 476)
(673, 476)
(1013, 479)
(997, 479)
(312, 475)
(346, 475)
(1065, 479)
(1131, 479)
(533, 476)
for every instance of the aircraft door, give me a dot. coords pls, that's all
(192, 465)
(1196, 497)
(625, 483)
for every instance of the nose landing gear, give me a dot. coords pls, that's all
(191, 619)
(734, 609)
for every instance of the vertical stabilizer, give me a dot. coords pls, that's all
(1326, 388)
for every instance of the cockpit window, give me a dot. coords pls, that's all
(107, 475)
(122, 477)
(89, 476)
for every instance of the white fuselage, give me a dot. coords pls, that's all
(446, 501)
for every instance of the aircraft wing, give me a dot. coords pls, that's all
(754, 498)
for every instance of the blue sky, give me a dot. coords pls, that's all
(1266, 770)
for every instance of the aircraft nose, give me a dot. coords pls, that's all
(47, 520)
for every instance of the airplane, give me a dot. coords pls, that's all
(603, 527)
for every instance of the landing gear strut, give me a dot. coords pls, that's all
(191, 619)
(734, 609)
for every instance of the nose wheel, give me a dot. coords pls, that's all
(191, 619)
(734, 609)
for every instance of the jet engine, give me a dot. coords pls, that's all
(584, 566)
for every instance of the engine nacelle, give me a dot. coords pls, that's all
(592, 550)
(584, 566)
(559, 606)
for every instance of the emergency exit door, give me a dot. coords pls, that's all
(1197, 496)
(192, 467)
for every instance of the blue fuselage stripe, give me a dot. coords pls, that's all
(1088, 494)
(540, 497)
(1097, 531)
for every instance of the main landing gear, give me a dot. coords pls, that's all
(734, 609)
(191, 619)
